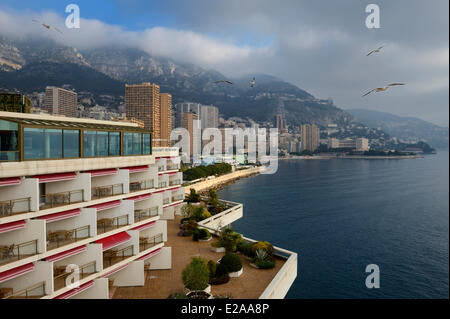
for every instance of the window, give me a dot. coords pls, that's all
(146, 144)
(114, 143)
(9, 146)
(71, 143)
(128, 144)
(89, 143)
(53, 143)
(137, 143)
(102, 144)
(33, 143)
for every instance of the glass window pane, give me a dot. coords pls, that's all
(89, 143)
(137, 143)
(53, 143)
(71, 143)
(33, 143)
(114, 143)
(9, 141)
(146, 144)
(102, 143)
(128, 143)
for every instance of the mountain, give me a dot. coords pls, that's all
(405, 128)
(31, 64)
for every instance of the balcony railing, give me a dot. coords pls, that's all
(142, 185)
(161, 169)
(111, 257)
(166, 201)
(148, 242)
(106, 224)
(60, 238)
(13, 252)
(177, 198)
(175, 182)
(61, 274)
(143, 214)
(162, 184)
(171, 167)
(106, 191)
(61, 199)
(33, 292)
(15, 206)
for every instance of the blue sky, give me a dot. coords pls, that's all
(319, 46)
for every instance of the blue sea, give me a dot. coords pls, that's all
(342, 215)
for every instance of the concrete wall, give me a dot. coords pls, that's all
(83, 181)
(132, 275)
(163, 260)
(29, 187)
(43, 271)
(34, 229)
(99, 290)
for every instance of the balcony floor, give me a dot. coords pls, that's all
(159, 284)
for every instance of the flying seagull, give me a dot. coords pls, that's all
(376, 50)
(252, 83)
(224, 81)
(381, 89)
(48, 27)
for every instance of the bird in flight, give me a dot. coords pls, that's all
(224, 81)
(376, 50)
(381, 89)
(252, 83)
(48, 27)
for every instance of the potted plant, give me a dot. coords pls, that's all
(188, 228)
(218, 273)
(230, 239)
(245, 248)
(217, 247)
(196, 276)
(201, 235)
(193, 198)
(262, 260)
(233, 264)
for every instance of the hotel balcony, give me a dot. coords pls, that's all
(107, 191)
(173, 164)
(175, 178)
(18, 196)
(146, 242)
(88, 259)
(62, 237)
(163, 180)
(15, 207)
(21, 240)
(114, 256)
(61, 199)
(109, 182)
(29, 281)
(111, 217)
(146, 213)
(142, 177)
(142, 185)
(118, 247)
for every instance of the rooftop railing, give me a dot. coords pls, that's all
(61, 199)
(107, 224)
(14, 252)
(148, 242)
(141, 185)
(106, 191)
(143, 214)
(15, 206)
(60, 238)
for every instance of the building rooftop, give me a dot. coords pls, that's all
(159, 284)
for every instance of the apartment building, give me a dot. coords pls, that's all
(84, 206)
(359, 144)
(143, 103)
(166, 118)
(59, 101)
(310, 135)
(207, 114)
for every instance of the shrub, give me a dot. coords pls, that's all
(266, 264)
(232, 262)
(246, 249)
(264, 245)
(206, 214)
(201, 234)
(196, 274)
(230, 239)
(216, 244)
(187, 210)
(199, 213)
(213, 198)
(193, 197)
(196, 234)
(261, 255)
(212, 266)
(189, 227)
(221, 271)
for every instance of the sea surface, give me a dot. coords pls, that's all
(342, 215)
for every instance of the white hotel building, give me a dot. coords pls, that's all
(89, 199)
(86, 193)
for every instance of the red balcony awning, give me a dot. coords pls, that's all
(12, 226)
(9, 181)
(114, 240)
(150, 254)
(137, 169)
(102, 172)
(172, 173)
(144, 226)
(108, 205)
(159, 192)
(16, 272)
(75, 291)
(67, 253)
(140, 197)
(109, 273)
(60, 216)
(173, 188)
(56, 177)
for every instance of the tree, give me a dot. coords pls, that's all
(230, 239)
(196, 274)
(193, 197)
